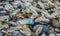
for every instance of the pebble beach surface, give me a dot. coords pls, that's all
(29, 17)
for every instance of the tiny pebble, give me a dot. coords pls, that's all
(43, 34)
(18, 34)
(52, 34)
(1, 34)
(57, 30)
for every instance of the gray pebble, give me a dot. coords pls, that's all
(57, 30)
(43, 34)
(39, 29)
(1, 34)
(19, 34)
(45, 29)
(52, 34)
(3, 12)
(56, 23)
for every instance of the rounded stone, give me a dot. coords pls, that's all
(56, 23)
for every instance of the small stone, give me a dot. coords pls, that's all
(24, 26)
(3, 12)
(2, 18)
(58, 34)
(45, 29)
(52, 34)
(39, 30)
(29, 0)
(9, 7)
(18, 34)
(42, 20)
(1, 7)
(56, 23)
(12, 32)
(23, 8)
(26, 21)
(43, 34)
(57, 30)
(1, 34)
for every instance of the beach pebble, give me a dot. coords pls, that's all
(18, 34)
(2, 12)
(27, 32)
(9, 7)
(1, 7)
(16, 4)
(58, 34)
(1, 34)
(39, 29)
(2, 18)
(56, 23)
(26, 21)
(42, 20)
(43, 34)
(23, 8)
(52, 34)
(57, 30)
(45, 29)
(12, 32)
(29, 0)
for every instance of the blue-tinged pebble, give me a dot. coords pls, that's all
(45, 30)
(1, 34)
(31, 21)
(23, 8)
(51, 34)
(19, 34)
(32, 24)
(4, 5)
(57, 30)
(43, 34)
(3, 12)
(26, 21)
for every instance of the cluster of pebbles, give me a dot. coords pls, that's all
(29, 18)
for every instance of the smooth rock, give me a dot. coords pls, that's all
(18, 34)
(52, 34)
(2, 18)
(45, 29)
(23, 8)
(43, 34)
(58, 34)
(26, 21)
(42, 20)
(57, 30)
(1, 34)
(56, 23)
(39, 30)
